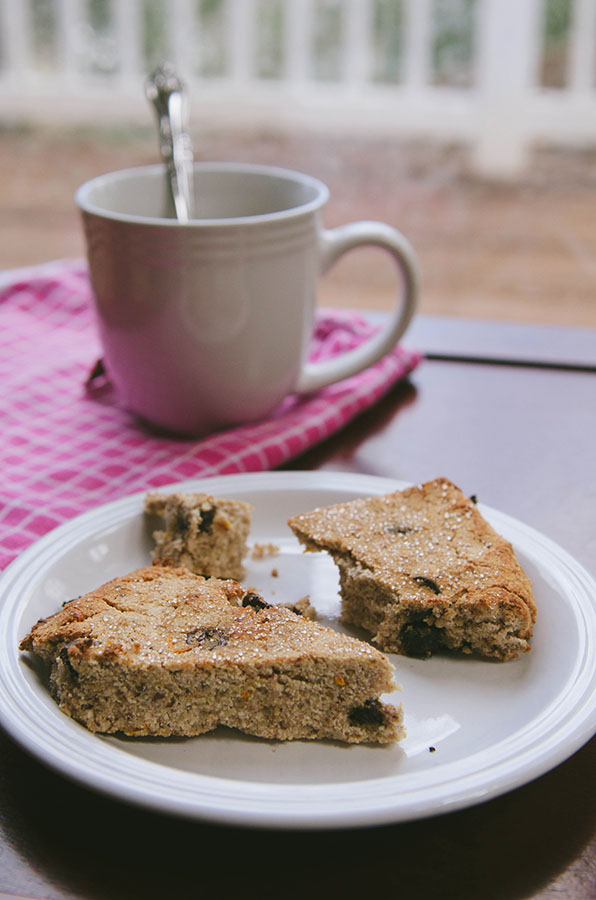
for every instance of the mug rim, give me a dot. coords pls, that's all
(290, 175)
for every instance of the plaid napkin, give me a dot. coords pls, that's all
(65, 448)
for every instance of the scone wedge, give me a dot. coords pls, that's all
(422, 570)
(163, 651)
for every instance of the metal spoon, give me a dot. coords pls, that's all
(167, 93)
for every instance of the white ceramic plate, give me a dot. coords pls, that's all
(493, 726)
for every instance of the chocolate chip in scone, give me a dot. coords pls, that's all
(418, 615)
(295, 609)
(207, 638)
(182, 520)
(427, 582)
(474, 498)
(255, 601)
(64, 656)
(207, 517)
(398, 529)
(419, 639)
(370, 713)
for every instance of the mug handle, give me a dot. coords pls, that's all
(333, 243)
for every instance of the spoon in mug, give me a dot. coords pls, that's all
(167, 93)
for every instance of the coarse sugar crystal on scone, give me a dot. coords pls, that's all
(202, 533)
(163, 652)
(422, 570)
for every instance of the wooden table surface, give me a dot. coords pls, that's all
(520, 436)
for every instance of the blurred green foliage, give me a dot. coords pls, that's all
(556, 28)
(453, 31)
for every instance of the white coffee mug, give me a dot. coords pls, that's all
(207, 324)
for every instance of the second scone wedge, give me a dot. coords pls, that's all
(422, 570)
(163, 651)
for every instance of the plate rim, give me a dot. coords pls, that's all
(580, 722)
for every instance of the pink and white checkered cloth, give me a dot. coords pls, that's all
(64, 449)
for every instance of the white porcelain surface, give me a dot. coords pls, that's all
(208, 323)
(494, 726)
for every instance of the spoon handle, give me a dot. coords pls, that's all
(166, 92)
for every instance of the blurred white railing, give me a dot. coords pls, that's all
(383, 67)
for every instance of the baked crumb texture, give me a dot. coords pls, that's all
(261, 551)
(304, 607)
(162, 651)
(422, 570)
(204, 534)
